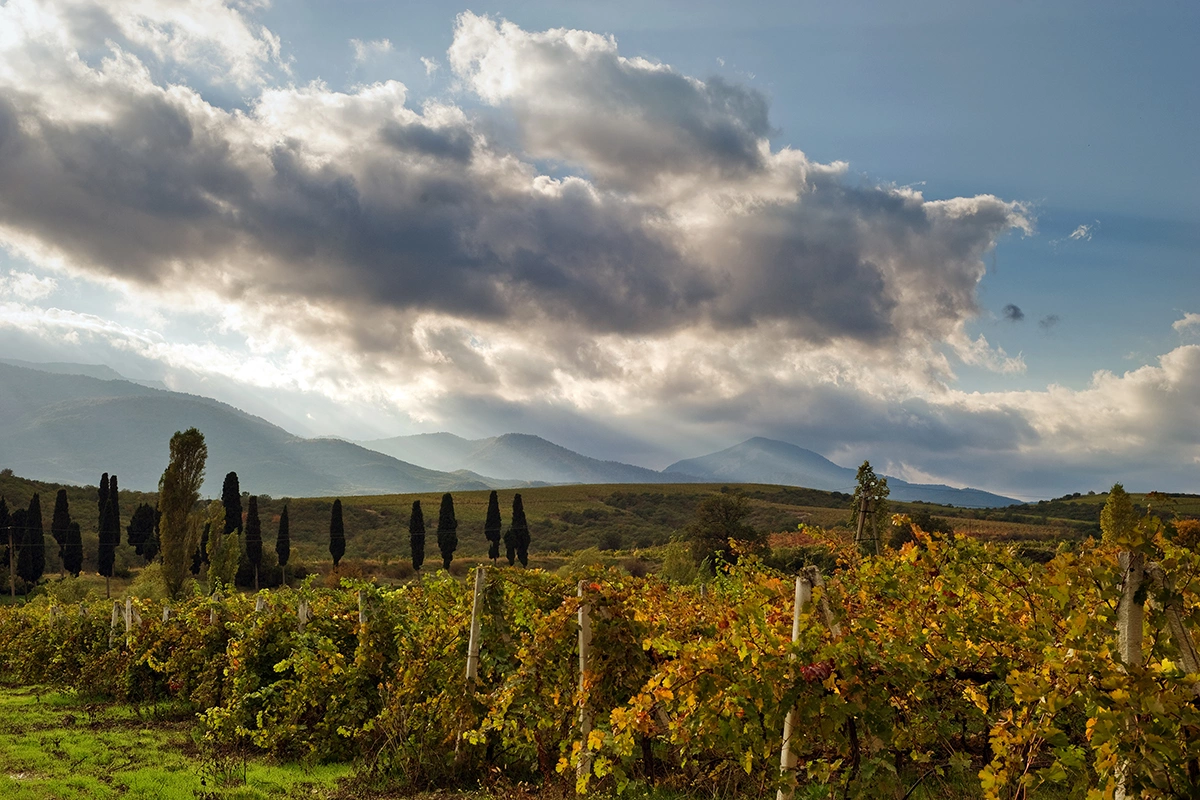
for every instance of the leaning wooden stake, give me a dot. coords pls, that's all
(1174, 608)
(476, 613)
(112, 628)
(584, 768)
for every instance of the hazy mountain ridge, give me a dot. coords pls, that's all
(516, 456)
(93, 426)
(67, 426)
(760, 460)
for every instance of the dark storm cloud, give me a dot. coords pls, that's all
(354, 203)
(1013, 313)
(1049, 322)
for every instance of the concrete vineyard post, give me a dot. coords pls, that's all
(787, 759)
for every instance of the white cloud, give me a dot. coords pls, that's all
(373, 48)
(1189, 321)
(431, 65)
(1082, 232)
(26, 286)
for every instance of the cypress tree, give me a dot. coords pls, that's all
(492, 526)
(200, 557)
(17, 523)
(447, 530)
(254, 550)
(116, 504)
(510, 546)
(73, 550)
(337, 534)
(102, 498)
(283, 543)
(141, 532)
(520, 533)
(9, 543)
(60, 525)
(231, 498)
(416, 535)
(31, 557)
(108, 547)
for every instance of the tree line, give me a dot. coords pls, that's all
(223, 541)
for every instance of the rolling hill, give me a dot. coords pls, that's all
(71, 428)
(515, 456)
(762, 460)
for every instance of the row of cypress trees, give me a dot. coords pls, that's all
(28, 541)
(516, 539)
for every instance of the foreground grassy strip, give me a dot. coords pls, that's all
(58, 745)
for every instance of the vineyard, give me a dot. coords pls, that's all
(950, 667)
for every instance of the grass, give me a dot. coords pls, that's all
(57, 745)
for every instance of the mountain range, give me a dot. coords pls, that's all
(69, 423)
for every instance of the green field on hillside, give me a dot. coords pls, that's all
(568, 519)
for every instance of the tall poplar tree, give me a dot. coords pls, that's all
(254, 549)
(416, 535)
(447, 530)
(283, 543)
(60, 525)
(492, 526)
(337, 534)
(178, 492)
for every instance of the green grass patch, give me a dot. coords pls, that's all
(58, 745)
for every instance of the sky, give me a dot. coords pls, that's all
(959, 240)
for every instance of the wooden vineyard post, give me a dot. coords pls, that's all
(260, 604)
(362, 608)
(302, 613)
(1131, 614)
(212, 610)
(166, 613)
(584, 768)
(473, 642)
(787, 759)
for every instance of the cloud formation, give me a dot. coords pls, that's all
(681, 216)
(365, 51)
(636, 250)
(1013, 313)
(1189, 321)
